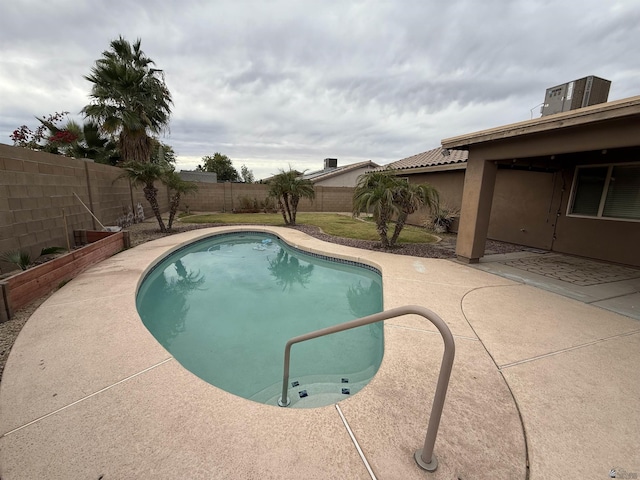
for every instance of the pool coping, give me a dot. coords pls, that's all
(116, 380)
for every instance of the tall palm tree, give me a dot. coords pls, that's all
(409, 197)
(374, 194)
(129, 98)
(145, 175)
(288, 188)
(177, 187)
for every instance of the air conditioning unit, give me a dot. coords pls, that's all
(330, 163)
(577, 94)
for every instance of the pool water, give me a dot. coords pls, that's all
(224, 307)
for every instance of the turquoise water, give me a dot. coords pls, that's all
(225, 307)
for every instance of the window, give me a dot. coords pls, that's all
(607, 192)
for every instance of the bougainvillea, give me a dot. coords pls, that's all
(63, 136)
(23, 136)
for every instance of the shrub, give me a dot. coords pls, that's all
(441, 219)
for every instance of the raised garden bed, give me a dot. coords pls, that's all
(24, 287)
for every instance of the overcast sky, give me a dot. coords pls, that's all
(278, 83)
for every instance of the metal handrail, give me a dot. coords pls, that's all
(443, 378)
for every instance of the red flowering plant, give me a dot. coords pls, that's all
(46, 137)
(63, 136)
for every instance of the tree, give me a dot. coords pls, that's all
(145, 174)
(129, 99)
(177, 187)
(162, 154)
(221, 165)
(409, 197)
(387, 197)
(92, 144)
(374, 194)
(247, 175)
(288, 188)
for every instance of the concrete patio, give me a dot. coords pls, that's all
(543, 386)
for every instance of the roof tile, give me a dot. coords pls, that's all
(429, 158)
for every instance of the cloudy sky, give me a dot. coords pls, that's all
(278, 83)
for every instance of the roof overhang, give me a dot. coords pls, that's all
(430, 169)
(617, 110)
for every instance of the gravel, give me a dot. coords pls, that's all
(147, 231)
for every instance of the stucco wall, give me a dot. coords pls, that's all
(448, 183)
(346, 179)
(611, 240)
(525, 207)
(522, 210)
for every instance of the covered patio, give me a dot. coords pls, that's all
(573, 185)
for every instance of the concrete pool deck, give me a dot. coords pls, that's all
(538, 379)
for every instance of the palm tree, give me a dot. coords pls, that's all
(130, 99)
(374, 194)
(145, 175)
(387, 197)
(90, 143)
(177, 187)
(409, 197)
(288, 188)
(288, 271)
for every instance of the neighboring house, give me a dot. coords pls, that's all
(198, 176)
(443, 169)
(333, 176)
(568, 182)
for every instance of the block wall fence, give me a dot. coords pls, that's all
(37, 198)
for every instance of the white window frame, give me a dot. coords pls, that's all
(603, 197)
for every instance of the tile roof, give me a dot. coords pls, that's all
(330, 172)
(430, 158)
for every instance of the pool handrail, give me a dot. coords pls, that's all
(443, 378)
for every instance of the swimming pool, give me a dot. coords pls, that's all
(225, 306)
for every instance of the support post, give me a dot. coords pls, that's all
(477, 196)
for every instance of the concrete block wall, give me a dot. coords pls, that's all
(329, 199)
(37, 198)
(37, 187)
(225, 197)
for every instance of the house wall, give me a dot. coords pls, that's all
(37, 187)
(560, 150)
(604, 239)
(522, 210)
(346, 179)
(529, 208)
(449, 185)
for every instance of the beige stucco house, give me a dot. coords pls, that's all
(334, 176)
(568, 182)
(574, 184)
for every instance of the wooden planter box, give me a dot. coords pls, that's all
(24, 287)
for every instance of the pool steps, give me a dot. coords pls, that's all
(321, 390)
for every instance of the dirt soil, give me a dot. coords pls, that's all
(147, 231)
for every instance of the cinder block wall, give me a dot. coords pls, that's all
(37, 197)
(225, 197)
(37, 187)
